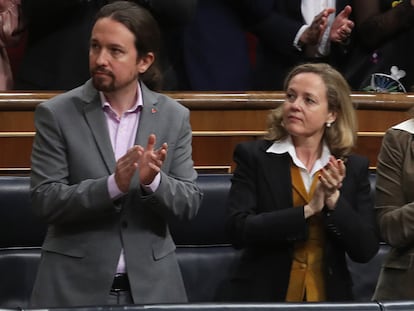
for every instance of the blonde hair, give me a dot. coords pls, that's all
(342, 134)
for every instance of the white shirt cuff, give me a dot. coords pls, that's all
(298, 35)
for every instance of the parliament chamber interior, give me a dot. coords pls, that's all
(219, 121)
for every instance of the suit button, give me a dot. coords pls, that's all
(124, 224)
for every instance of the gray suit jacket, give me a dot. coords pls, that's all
(72, 158)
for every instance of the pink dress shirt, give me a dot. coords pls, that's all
(122, 132)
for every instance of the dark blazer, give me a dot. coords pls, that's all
(276, 23)
(215, 56)
(263, 222)
(57, 49)
(72, 159)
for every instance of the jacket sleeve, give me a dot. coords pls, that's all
(265, 19)
(254, 218)
(178, 195)
(55, 198)
(395, 211)
(352, 223)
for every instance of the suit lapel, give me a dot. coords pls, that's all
(149, 117)
(147, 124)
(97, 123)
(95, 118)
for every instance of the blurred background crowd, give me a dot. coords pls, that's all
(218, 45)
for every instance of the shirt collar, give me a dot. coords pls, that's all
(286, 146)
(137, 106)
(407, 126)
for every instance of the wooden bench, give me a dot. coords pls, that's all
(219, 121)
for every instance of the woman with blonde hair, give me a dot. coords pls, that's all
(300, 200)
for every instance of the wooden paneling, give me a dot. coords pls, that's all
(219, 121)
(15, 152)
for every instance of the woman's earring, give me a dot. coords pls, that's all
(328, 124)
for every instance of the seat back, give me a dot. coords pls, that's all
(203, 249)
(204, 252)
(18, 267)
(19, 226)
(208, 227)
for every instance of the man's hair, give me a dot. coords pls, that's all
(146, 32)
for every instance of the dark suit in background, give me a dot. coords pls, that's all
(276, 23)
(215, 54)
(56, 53)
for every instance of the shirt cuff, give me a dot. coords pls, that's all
(152, 187)
(113, 190)
(296, 42)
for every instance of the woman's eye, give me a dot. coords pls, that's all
(310, 101)
(290, 97)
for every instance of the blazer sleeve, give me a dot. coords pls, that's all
(270, 22)
(259, 215)
(263, 215)
(54, 197)
(352, 223)
(394, 204)
(178, 194)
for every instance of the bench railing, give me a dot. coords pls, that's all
(219, 121)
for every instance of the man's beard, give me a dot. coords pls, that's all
(100, 83)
